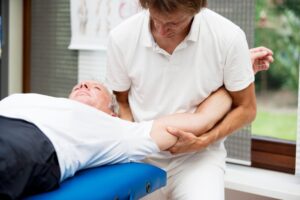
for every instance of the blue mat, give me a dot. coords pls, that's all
(116, 182)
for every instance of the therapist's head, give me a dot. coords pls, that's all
(170, 6)
(171, 18)
(95, 94)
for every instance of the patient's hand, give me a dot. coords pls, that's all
(261, 58)
(188, 142)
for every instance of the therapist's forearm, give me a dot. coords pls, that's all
(125, 111)
(124, 107)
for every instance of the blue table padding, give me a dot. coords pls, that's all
(115, 182)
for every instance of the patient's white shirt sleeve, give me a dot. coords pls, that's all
(82, 136)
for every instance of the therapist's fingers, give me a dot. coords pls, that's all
(185, 142)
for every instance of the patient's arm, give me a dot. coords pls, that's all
(209, 112)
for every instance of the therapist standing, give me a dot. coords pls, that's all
(169, 58)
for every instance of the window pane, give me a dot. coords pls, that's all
(277, 27)
(53, 68)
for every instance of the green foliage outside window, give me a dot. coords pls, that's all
(278, 28)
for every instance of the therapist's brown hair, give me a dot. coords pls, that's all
(169, 6)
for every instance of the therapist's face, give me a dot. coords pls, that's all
(169, 25)
(93, 94)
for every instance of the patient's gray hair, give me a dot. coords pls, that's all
(113, 106)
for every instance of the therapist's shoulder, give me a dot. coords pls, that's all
(222, 32)
(219, 23)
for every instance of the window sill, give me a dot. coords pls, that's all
(262, 182)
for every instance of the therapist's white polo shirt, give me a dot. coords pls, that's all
(214, 53)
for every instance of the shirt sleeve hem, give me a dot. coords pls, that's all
(240, 87)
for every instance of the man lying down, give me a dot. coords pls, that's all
(44, 140)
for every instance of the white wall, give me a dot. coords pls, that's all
(91, 65)
(15, 48)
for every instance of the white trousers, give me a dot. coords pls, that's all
(199, 176)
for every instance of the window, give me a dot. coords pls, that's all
(49, 67)
(275, 129)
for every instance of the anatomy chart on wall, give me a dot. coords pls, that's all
(92, 20)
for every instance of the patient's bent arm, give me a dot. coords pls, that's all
(209, 112)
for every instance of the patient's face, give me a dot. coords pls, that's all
(92, 93)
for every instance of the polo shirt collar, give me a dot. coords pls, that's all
(194, 31)
(146, 37)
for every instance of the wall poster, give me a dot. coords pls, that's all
(92, 20)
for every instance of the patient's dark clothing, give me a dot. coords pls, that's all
(27, 158)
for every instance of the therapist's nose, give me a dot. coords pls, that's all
(162, 29)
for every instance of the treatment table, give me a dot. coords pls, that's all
(116, 182)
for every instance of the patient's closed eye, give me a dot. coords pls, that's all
(98, 88)
(75, 88)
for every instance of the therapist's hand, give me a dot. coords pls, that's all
(188, 142)
(261, 58)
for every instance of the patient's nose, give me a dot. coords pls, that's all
(83, 85)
